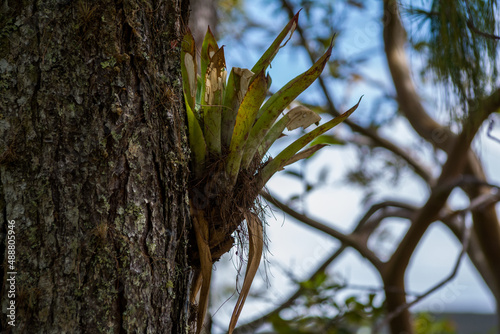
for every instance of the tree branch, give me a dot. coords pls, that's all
(401, 308)
(370, 221)
(408, 98)
(486, 223)
(456, 226)
(490, 129)
(349, 239)
(365, 226)
(451, 171)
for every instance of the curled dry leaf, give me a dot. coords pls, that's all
(301, 117)
(256, 245)
(245, 77)
(189, 63)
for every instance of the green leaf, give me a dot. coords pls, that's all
(188, 69)
(316, 282)
(327, 139)
(271, 52)
(215, 81)
(273, 134)
(237, 86)
(279, 101)
(281, 160)
(305, 154)
(244, 119)
(294, 173)
(208, 50)
(196, 143)
(297, 117)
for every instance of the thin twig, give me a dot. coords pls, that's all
(364, 223)
(348, 239)
(473, 28)
(370, 221)
(479, 203)
(490, 129)
(466, 181)
(455, 223)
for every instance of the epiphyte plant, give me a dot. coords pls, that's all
(231, 127)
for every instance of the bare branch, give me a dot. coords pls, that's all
(401, 308)
(455, 224)
(457, 147)
(408, 98)
(451, 171)
(349, 239)
(378, 212)
(459, 157)
(486, 225)
(467, 181)
(480, 203)
(364, 227)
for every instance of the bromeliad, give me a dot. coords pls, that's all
(231, 128)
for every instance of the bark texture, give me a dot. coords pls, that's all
(94, 165)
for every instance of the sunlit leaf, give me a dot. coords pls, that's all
(280, 160)
(271, 52)
(327, 139)
(305, 154)
(301, 116)
(196, 142)
(215, 83)
(237, 86)
(279, 101)
(297, 117)
(244, 119)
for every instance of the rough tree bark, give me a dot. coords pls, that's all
(94, 166)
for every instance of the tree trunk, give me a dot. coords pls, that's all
(94, 167)
(395, 297)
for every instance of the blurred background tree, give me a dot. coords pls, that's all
(429, 72)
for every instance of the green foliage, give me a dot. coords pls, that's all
(328, 139)
(235, 126)
(317, 312)
(108, 63)
(282, 159)
(426, 323)
(461, 51)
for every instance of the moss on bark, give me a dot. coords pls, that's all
(93, 165)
